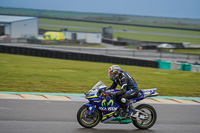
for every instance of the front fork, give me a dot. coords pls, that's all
(91, 108)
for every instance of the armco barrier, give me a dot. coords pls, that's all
(178, 66)
(185, 67)
(175, 66)
(195, 68)
(62, 54)
(164, 64)
(148, 43)
(114, 42)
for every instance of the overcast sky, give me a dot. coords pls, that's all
(163, 8)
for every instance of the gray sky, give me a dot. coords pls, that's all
(163, 8)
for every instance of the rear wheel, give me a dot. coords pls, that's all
(88, 121)
(148, 120)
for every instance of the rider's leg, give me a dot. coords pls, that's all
(132, 111)
(123, 104)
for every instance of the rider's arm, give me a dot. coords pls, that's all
(122, 91)
(113, 86)
(124, 86)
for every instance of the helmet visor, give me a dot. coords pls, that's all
(112, 75)
(113, 71)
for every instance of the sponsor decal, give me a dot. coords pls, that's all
(108, 109)
(104, 102)
(107, 106)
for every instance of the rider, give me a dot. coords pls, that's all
(129, 88)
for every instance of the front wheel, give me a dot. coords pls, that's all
(88, 121)
(148, 120)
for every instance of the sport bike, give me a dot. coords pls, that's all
(104, 108)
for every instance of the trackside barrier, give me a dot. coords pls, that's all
(175, 66)
(195, 68)
(62, 54)
(164, 64)
(178, 66)
(114, 42)
(185, 67)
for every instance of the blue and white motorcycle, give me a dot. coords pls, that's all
(108, 111)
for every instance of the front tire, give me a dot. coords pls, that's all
(88, 121)
(149, 121)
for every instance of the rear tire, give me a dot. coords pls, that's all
(150, 121)
(88, 121)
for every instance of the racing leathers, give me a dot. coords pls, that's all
(129, 88)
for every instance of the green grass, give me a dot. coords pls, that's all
(34, 74)
(142, 37)
(188, 51)
(157, 38)
(119, 27)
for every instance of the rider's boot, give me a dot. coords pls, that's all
(116, 113)
(124, 113)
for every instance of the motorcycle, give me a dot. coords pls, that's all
(104, 108)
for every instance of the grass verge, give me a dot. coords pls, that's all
(115, 26)
(34, 74)
(183, 51)
(143, 37)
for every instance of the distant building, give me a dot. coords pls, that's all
(107, 32)
(18, 26)
(88, 37)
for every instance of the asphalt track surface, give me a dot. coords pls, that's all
(41, 116)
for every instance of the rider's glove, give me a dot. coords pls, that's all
(112, 94)
(106, 94)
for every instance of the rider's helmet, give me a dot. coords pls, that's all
(113, 72)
